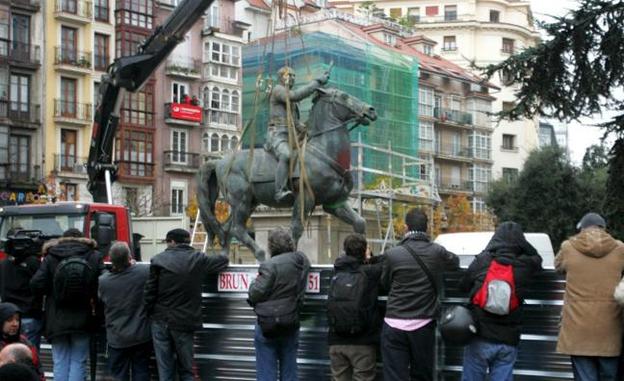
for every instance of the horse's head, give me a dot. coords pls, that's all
(346, 107)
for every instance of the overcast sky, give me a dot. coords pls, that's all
(581, 136)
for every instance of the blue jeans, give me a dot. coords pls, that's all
(31, 328)
(134, 361)
(169, 343)
(593, 368)
(481, 355)
(276, 353)
(69, 353)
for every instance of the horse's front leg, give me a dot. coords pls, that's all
(298, 218)
(346, 213)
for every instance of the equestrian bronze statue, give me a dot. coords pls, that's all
(246, 182)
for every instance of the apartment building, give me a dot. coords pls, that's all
(482, 31)
(21, 134)
(78, 48)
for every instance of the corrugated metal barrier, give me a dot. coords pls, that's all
(224, 347)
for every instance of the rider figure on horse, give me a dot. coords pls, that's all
(277, 135)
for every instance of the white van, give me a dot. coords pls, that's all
(468, 245)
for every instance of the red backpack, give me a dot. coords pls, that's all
(497, 294)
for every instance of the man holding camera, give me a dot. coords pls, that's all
(16, 271)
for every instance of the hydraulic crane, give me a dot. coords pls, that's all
(129, 74)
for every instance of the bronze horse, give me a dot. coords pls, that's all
(246, 183)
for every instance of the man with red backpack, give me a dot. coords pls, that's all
(497, 280)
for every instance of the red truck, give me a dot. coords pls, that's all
(102, 222)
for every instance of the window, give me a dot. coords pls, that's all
(233, 143)
(508, 106)
(134, 12)
(480, 176)
(389, 39)
(449, 43)
(4, 151)
(478, 206)
(206, 141)
(425, 131)
(225, 142)
(425, 101)
(508, 46)
(481, 110)
(494, 16)
(413, 15)
(69, 138)
(507, 77)
(396, 13)
(212, 16)
(178, 91)
(69, 43)
(509, 142)
(21, 36)
(19, 157)
(431, 11)
(128, 42)
(138, 108)
(224, 106)
(480, 144)
(101, 10)
(4, 32)
(510, 174)
(135, 151)
(101, 51)
(179, 147)
(19, 93)
(214, 143)
(428, 49)
(69, 6)
(178, 200)
(68, 104)
(132, 199)
(450, 12)
(69, 192)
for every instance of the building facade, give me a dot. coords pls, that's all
(479, 31)
(21, 83)
(78, 49)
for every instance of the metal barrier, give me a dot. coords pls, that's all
(224, 347)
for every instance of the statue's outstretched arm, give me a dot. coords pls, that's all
(297, 94)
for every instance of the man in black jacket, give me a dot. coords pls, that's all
(354, 356)
(127, 327)
(16, 271)
(408, 334)
(173, 302)
(68, 326)
(281, 282)
(496, 344)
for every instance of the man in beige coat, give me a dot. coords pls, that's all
(591, 325)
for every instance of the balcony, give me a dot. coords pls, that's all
(74, 113)
(184, 114)
(181, 161)
(448, 116)
(19, 174)
(22, 54)
(70, 165)
(453, 152)
(21, 114)
(74, 11)
(484, 154)
(72, 60)
(183, 67)
(449, 185)
(135, 171)
(478, 187)
(29, 5)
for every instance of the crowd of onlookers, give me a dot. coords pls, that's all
(154, 310)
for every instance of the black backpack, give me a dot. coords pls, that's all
(347, 311)
(73, 282)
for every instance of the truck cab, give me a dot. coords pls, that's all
(102, 222)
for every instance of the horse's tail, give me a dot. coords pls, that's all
(207, 193)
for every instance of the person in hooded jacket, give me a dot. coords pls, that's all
(10, 319)
(354, 357)
(282, 278)
(16, 271)
(68, 327)
(591, 325)
(172, 299)
(495, 346)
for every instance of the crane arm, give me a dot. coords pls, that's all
(129, 74)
